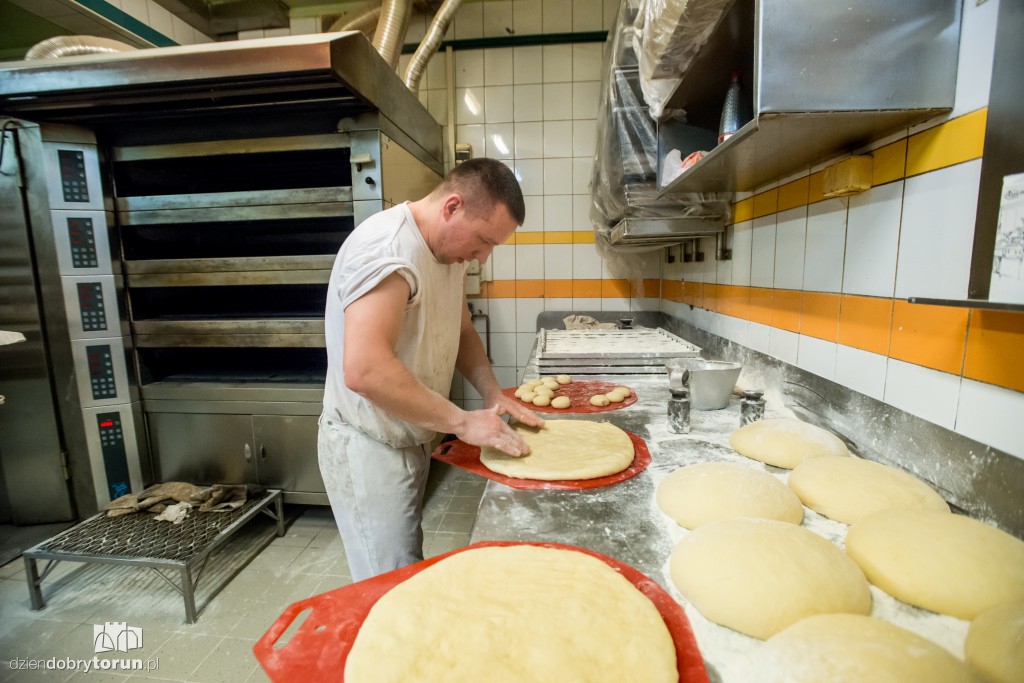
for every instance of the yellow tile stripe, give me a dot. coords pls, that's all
(949, 143)
(552, 237)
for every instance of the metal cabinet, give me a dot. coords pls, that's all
(277, 451)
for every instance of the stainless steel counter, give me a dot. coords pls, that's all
(624, 522)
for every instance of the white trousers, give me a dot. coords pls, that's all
(376, 494)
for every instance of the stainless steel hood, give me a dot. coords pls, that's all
(340, 71)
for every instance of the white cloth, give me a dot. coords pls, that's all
(376, 494)
(389, 242)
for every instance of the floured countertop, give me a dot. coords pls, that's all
(624, 521)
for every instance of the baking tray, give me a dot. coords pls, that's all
(579, 392)
(639, 345)
(319, 648)
(461, 454)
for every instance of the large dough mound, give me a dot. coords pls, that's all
(846, 489)
(785, 442)
(759, 576)
(848, 648)
(945, 563)
(710, 491)
(565, 449)
(995, 644)
(516, 614)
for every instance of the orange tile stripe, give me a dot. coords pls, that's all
(552, 237)
(949, 143)
(979, 344)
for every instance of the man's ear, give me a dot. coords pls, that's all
(451, 204)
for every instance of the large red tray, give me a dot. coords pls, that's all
(579, 392)
(317, 651)
(461, 454)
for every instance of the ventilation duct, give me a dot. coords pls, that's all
(74, 46)
(427, 48)
(391, 28)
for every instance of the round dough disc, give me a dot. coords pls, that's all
(710, 491)
(785, 442)
(846, 489)
(759, 576)
(565, 449)
(848, 648)
(995, 644)
(945, 563)
(515, 613)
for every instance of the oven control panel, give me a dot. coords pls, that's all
(101, 371)
(115, 459)
(91, 306)
(74, 184)
(82, 240)
(118, 466)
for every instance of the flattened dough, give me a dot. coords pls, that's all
(995, 644)
(710, 491)
(519, 614)
(849, 648)
(785, 442)
(759, 576)
(945, 563)
(565, 449)
(846, 489)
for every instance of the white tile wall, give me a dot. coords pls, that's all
(991, 415)
(759, 337)
(474, 135)
(527, 17)
(503, 315)
(529, 102)
(929, 394)
(469, 68)
(762, 257)
(557, 17)
(529, 261)
(558, 138)
(557, 63)
(524, 345)
(557, 261)
(587, 61)
(503, 262)
(586, 304)
(817, 356)
(861, 371)
(528, 63)
(783, 344)
(500, 140)
(469, 105)
(790, 234)
(498, 104)
(872, 240)
(823, 253)
(586, 263)
(534, 215)
(586, 15)
(977, 44)
(582, 168)
(585, 96)
(469, 21)
(937, 233)
(584, 137)
(557, 178)
(581, 212)
(530, 140)
(530, 173)
(497, 18)
(741, 239)
(527, 311)
(557, 304)
(557, 211)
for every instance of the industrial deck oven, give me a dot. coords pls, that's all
(184, 207)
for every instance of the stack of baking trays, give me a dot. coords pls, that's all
(639, 351)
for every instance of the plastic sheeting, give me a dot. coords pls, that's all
(625, 175)
(668, 35)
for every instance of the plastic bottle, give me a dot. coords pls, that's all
(736, 110)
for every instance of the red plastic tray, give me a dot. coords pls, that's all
(579, 392)
(461, 454)
(317, 651)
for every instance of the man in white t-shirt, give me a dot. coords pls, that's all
(397, 326)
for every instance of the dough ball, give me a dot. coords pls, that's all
(846, 489)
(542, 400)
(528, 397)
(517, 613)
(561, 402)
(551, 382)
(711, 491)
(600, 400)
(945, 563)
(533, 382)
(995, 644)
(614, 397)
(563, 379)
(758, 576)
(625, 391)
(785, 442)
(565, 450)
(521, 390)
(544, 391)
(849, 648)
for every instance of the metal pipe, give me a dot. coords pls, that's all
(432, 39)
(73, 46)
(391, 28)
(364, 22)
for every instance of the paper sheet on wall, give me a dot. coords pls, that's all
(1008, 261)
(1007, 284)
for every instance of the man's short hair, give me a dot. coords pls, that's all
(483, 183)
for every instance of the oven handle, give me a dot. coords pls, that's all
(248, 453)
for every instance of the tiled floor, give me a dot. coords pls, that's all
(307, 561)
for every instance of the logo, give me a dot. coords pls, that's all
(116, 636)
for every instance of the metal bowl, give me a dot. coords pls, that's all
(711, 382)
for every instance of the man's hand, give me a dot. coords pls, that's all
(518, 411)
(486, 428)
